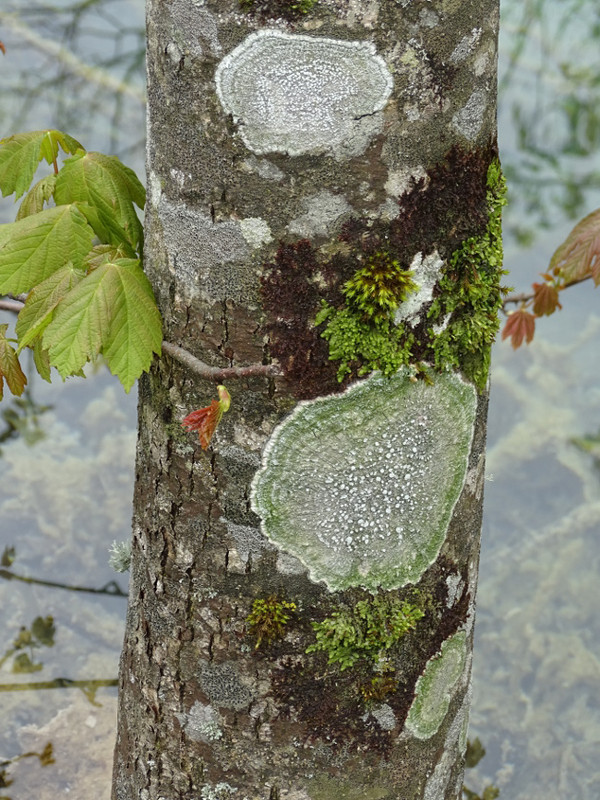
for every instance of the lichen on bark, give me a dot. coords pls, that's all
(361, 486)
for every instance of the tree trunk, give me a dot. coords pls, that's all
(324, 196)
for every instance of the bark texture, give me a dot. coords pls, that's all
(289, 148)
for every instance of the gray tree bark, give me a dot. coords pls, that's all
(302, 592)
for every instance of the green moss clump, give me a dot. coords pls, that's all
(377, 289)
(470, 295)
(268, 618)
(354, 339)
(363, 332)
(366, 631)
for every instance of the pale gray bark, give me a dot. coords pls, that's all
(267, 128)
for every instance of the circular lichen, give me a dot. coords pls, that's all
(361, 486)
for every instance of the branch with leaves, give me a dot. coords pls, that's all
(72, 265)
(575, 261)
(75, 249)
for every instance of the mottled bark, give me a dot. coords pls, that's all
(286, 152)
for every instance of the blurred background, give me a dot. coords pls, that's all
(67, 450)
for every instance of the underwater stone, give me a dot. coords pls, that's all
(361, 486)
(436, 686)
(303, 94)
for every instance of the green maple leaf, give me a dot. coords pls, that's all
(33, 248)
(41, 303)
(21, 153)
(41, 360)
(136, 328)
(34, 200)
(110, 311)
(10, 369)
(109, 186)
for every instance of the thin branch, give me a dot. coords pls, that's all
(111, 588)
(70, 61)
(217, 373)
(185, 357)
(525, 297)
(11, 305)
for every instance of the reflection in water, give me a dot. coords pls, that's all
(39, 634)
(549, 117)
(21, 417)
(475, 752)
(9, 555)
(46, 757)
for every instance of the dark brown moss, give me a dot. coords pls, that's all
(440, 212)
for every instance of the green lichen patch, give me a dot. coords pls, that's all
(361, 486)
(368, 630)
(436, 686)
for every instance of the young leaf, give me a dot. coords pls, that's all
(110, 311)
(135, 332)
(102, 253)
(21, 153)
(35, 247)
(206, 420)
(579, 255)
(519, 325)
(10, 369)
(545, 299)
(105, 183)
(107, 229)
(34, 200)
(41, 302)
(41, 360)
(81, 322)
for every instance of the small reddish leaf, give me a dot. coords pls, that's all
(519, 325)
(10, 369)
(206, 420)
(578, 257)
(545, 299)
(3, 48)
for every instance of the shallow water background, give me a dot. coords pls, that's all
(63, 500)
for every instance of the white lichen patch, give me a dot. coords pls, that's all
(469, 119)
(202, 723)
(384, 714)
(300, 94)
(436, 686)
(361, 486)
(465, 47)
(206, 257)
(322, 210)
(427, 271)
(255, 231)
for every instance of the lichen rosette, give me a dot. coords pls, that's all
(361, 486)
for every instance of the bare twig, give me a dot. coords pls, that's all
(525, 297)
(10, 305)
(217, 373)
